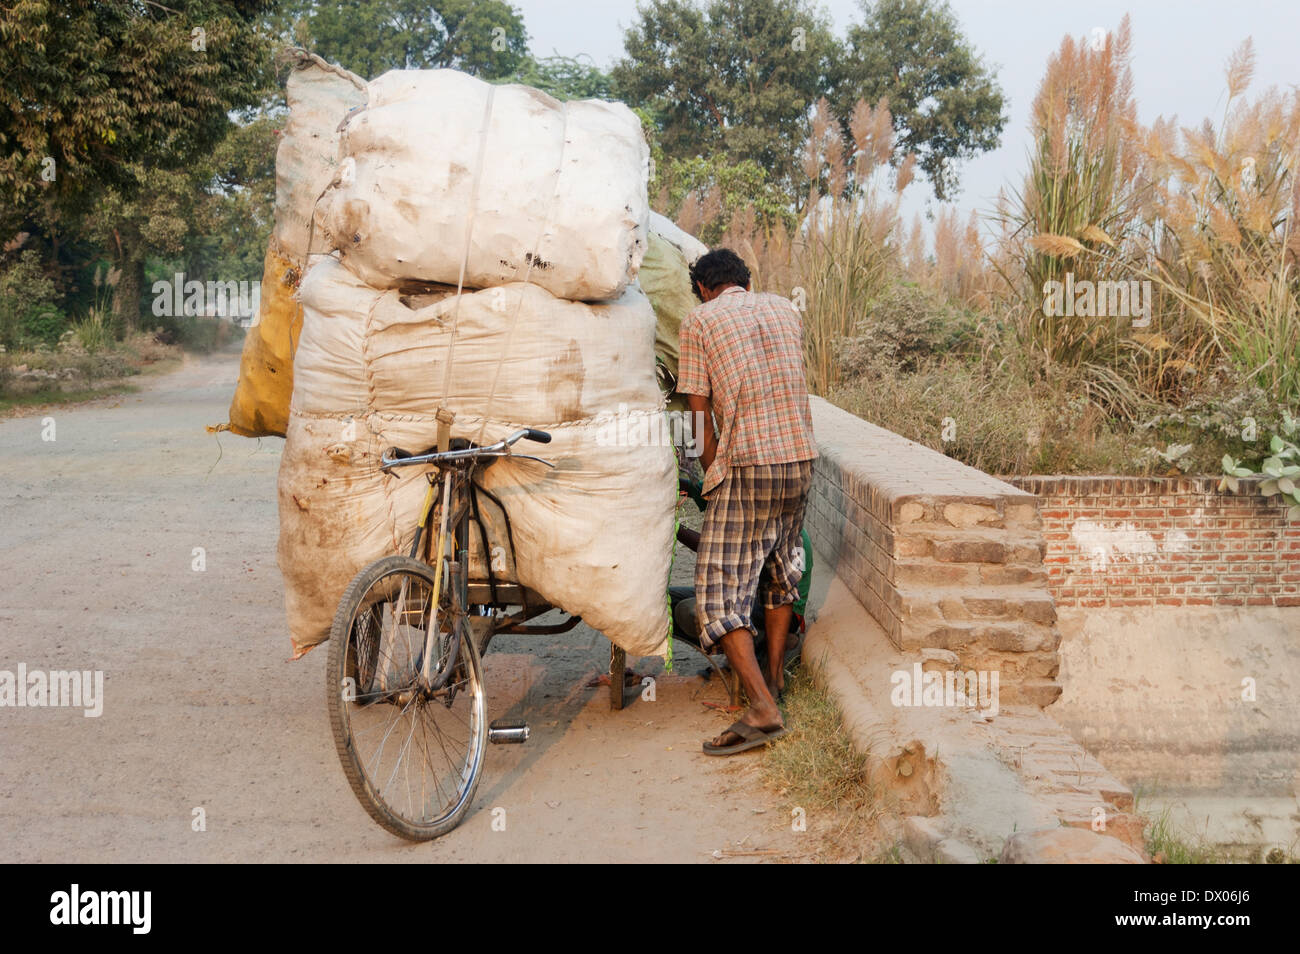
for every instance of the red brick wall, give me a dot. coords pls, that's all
(1120, 541)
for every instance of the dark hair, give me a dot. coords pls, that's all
(722, 266)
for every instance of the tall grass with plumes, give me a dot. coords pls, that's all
(848, 249)
(956, 264)
(1221, 238)
(906, 330)
(845, 250)
(1075, 212)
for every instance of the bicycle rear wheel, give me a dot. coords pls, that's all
(412, 756)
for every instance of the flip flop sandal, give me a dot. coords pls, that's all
(751, 738)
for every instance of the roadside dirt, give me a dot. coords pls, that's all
(203, 711)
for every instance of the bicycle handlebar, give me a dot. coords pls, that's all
(394, 457)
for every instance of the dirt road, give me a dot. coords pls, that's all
(206, 725)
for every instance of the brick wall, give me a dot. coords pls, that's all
(1178, 541)
(942, 555)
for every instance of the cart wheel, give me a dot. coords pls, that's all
(617, 675)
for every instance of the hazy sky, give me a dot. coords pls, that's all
(1179, 48)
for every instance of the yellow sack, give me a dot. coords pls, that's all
(260, 407)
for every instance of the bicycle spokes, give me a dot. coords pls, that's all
(412, 751)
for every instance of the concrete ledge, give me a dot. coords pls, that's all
(940, 554)
(974, 776)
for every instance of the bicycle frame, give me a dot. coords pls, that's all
(450, 547)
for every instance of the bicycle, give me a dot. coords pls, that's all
(404, 676)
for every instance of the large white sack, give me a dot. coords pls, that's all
(593, 536)
(338, 512)
(319, 95)
(551, 361)
(544, 191)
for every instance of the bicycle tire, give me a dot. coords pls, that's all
(344, 709)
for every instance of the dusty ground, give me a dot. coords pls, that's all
(202, 710)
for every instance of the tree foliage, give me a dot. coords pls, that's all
(109, 110)
(27, 299)
(946, 103)
(565, 77)
(92, 86)
(735, 76)
(483, 37)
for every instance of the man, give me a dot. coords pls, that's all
(742, 364)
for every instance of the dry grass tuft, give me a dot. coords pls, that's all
(816, 765)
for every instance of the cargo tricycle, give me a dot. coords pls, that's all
(404, 676)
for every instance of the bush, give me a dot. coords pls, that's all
(44, 326)
(150, 347)
(95, 333)
(90, 367)
(904, 326)
(29, 313)
(1229, 417)
(998, 419)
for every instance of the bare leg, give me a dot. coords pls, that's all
(762, 712)
(777, 623)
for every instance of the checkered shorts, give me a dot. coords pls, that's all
(753, 521)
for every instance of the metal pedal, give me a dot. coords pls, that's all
(508, 732)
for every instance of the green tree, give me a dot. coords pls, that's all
(946, 104)
(722, 187)
(211, 220)
(736, 77)
(483, 37)
(565, 77)
(238, 183)
(105, 99)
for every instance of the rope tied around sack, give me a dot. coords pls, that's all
(444, 415)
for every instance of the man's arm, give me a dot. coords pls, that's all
(702, 428)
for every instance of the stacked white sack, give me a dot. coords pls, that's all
(319, 95)
(547, 192)
(593, 536)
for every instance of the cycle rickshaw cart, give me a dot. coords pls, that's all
(404, 675)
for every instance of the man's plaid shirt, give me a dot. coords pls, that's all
(744, 350)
